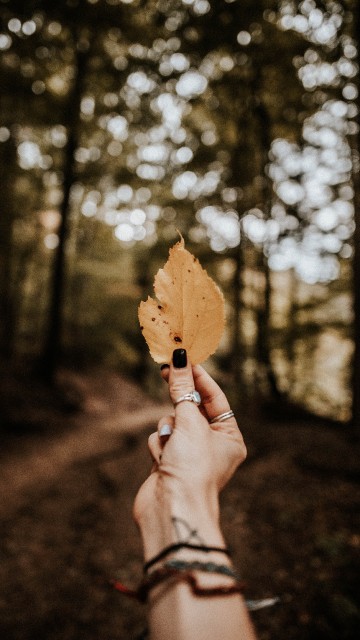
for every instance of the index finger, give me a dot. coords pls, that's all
(213, 398)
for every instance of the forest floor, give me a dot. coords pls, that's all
(67, 483)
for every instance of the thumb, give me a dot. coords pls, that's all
(181, 378)
(181, 382)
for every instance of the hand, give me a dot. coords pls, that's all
(194, 463)
(178, 503)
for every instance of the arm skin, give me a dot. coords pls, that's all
(179, 502)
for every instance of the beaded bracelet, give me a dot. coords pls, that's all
(208, 567)
(182, 545)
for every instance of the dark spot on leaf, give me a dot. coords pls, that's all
(189, 270)
(153, 319)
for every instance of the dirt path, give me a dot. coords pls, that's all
(112, 410)
(290, 514)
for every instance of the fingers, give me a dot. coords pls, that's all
(159, 438)
(165, 429)
(155, 448)
(164, 372)
(213, 398)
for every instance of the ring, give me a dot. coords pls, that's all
(222, 416)
(193, 396)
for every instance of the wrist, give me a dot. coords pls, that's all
(175, 517)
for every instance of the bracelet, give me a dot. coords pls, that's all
(164, 573)
(182, 545)
(158, 576)
(208, 567)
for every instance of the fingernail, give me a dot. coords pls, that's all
(165, 430)
(164, 366)
(179, 358)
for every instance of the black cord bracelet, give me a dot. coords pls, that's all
(183, 545)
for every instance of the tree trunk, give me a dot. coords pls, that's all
(238, 356)
(52, 347)
(237, 351)
(264, 313)
(7, 316)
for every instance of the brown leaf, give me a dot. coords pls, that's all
(189, 311)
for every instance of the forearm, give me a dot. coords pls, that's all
(175, 613)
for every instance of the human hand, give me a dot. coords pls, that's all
(198, 455)
(194, 463)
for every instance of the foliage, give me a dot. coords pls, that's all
(231, 121)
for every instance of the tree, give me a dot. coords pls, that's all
(136, 119)
(356, 261)
(71, 122)
(7, 319)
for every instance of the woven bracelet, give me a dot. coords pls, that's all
(207, 567)
(182, 545)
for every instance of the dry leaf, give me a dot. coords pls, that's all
(189, 311)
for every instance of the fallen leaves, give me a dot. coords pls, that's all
(189, 311)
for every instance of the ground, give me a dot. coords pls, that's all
(67, 483)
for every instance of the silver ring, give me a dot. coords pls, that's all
(222, 416)
(193, 396)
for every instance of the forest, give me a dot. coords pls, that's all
(124, 123)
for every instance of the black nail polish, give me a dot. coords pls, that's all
(164, 366)
(179, 358)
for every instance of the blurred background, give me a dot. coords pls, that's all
(123, 122)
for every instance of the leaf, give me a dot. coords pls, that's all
(189, 311)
